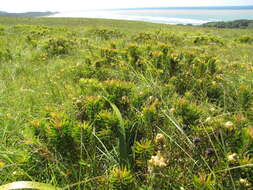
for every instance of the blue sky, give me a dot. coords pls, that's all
(63, 5)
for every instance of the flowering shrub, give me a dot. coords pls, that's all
(58, 46)
(105, 33)
(121, 178)
(118, 92)
(142, 37)
(245, 39)
(207, 39)
(89, 107)
(110, 55)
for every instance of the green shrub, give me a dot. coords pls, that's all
(118, 92)
(207, 39)
(2, 29)
(188, 112)
(143, 36)
(82, 134)
(245, 97)
(56, 133)
(121, 178)
(81, 70)
(245, 39)
(105, 125)
(109, 54)
(143, 151)
(37, 33)
(5, 54)
(134, 54)
(89, 86)
(58, 46)
(89, 107)
(169, 37)
(105, 33)
(157, 59)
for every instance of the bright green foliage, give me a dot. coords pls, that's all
(142, 37)
(89, 107)
(106, 104)
(58, 46)
(245, 96)
(105, 33)
(189, 113)
(57, 134)
(110, 55)
(143, 151)
(245, 39)
(121, 178)
(204, 182)
(117, 90)
(207, 39)
(5, 55)
(106, 125)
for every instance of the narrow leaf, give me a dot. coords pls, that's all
(28, 185)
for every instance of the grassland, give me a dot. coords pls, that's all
(109, 104)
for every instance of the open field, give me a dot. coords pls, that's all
(109, 104)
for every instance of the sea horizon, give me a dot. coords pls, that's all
(168, 15)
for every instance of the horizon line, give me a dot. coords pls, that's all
(135, 8)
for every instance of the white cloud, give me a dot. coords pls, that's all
(63, 5)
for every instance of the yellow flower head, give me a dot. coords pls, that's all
(229, 125)
(2, 164)
(35, 123)
(160, 138)
(232, 157)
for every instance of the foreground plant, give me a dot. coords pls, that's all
(121, 178)
(28, 185)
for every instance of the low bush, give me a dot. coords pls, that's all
(58, 46)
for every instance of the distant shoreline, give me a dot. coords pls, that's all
(171, 15)
(167, 15)
(197, 8)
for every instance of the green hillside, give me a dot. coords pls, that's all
(26, 14)
(110, 104)
(242, 24)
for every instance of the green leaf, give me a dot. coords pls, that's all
(28, 185)
(121, 136)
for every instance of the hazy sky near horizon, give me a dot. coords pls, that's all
(75, 5)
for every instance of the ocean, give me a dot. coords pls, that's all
(169, 15)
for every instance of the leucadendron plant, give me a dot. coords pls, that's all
(107, 104)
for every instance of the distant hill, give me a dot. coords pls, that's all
(243, 24)
(26, 14)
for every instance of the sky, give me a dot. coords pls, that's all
(78, 5)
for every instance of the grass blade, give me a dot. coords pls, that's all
(28, 185)
(120, 130)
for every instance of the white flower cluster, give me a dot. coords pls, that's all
(244, 182)
(157, 161)
(232, 157)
